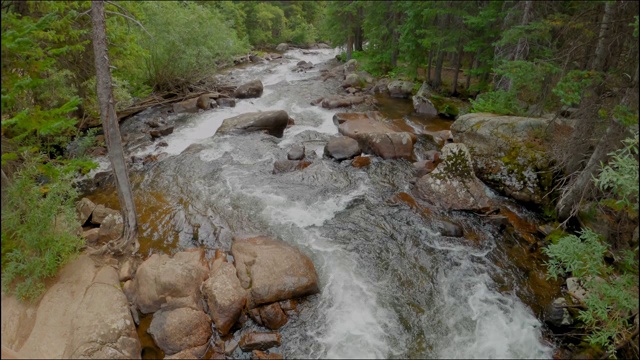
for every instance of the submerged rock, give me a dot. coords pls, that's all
(285, 166)
(271, 270)
(296, 152)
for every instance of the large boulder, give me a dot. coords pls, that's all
(400, 89)
(342, 148)
(421, 103)
(111, 228)
(103, 327)
(175, 330)
(453, 185)
(273, 122)
(272, 270)
(374, 136)
(508, 153)
(252, 89)
(225, 296)
(85, 208)
(162, 279)
(83, 314)
(186, 106)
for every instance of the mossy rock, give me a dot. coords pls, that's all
(445, 107)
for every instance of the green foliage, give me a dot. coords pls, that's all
(620, 176)
(571, 87)
(38, 226)
(497, 102)
(187, 42)
(612, 293)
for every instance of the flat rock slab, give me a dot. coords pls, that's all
(83, 315)
(271, 270)
(273, 122)
(374, 136)
(259, 341)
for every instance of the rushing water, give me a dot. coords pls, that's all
(391, 285)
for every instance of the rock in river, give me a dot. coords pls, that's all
(273, 122)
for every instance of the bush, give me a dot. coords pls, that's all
(612, 292)
(497, 102)
(38, 226)
(187, 41)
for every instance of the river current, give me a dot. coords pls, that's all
(391, 285)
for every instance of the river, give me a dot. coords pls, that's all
(391, 285)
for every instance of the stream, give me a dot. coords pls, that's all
(391, 285)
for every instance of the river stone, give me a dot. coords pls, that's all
(453, 185)
(272, 270)
(342, 148)
(226, 102)
(103, 327)
(174, 330)
(252, 89)
(282, 47)
(350, 66)
(111, 228)
(509, 153)
(296, 152)
(261, 355)
(259, 341)
(556, 313)
(400, 89)
(374, 136)
(273, 122)
(421, 103)
(85, 208)
(285, 166)
(91, 236)
(337, 101)
(272, 316)
(161, 278)
(361, 161)
(187, 106)
(100, 213)
(225, 296)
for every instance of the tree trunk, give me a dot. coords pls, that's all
(429, 67)
(129, 240)
(349, 47)
(437, 81)
(474, 64)
(601, 55)
(454, 92)
(521, 50)
(359, 36)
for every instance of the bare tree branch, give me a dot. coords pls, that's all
(130, 18)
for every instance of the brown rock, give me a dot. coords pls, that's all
(175, 330)
(272, 270)
(225, 296)
(111, 228)
(284, 166)
(205, 101)
(273, 318)
(91, 236)
(100, 213)
(161, 278)
(342, 148)
(424, 167)
(251, 89)
(85, 208)
(361, 161)
(226, 102)
(259, 341)
(257, 354)
(336, 101)
(188, 106)
(273, 122)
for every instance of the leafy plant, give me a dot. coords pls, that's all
(620, 176)
(38, 226)
(497, 102)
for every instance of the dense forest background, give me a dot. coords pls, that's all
(576, 59)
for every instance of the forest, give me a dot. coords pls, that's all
(572, 59)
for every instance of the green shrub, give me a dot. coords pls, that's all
(497, 102)
(38, 226)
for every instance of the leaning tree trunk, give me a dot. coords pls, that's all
(129, 240)
(577, 190)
